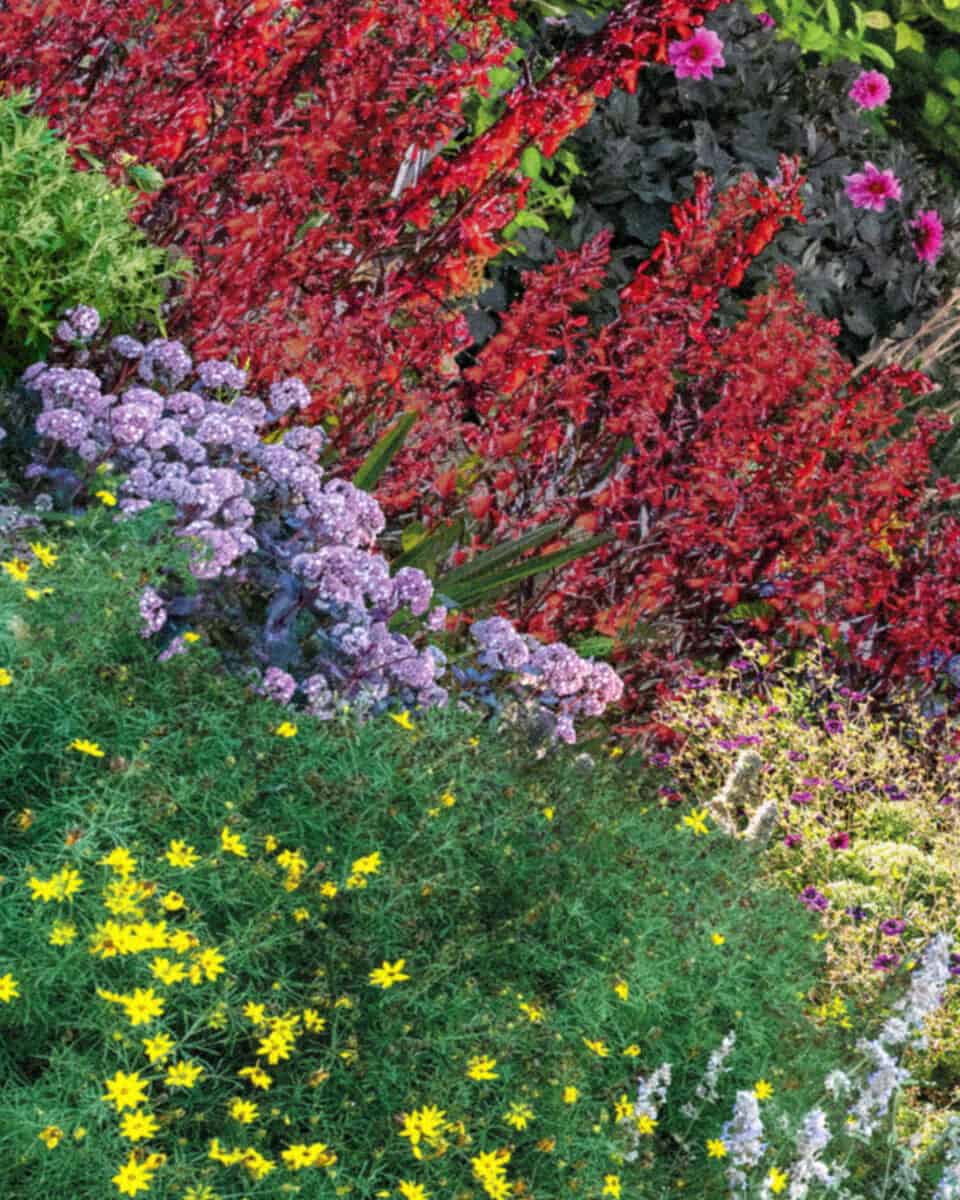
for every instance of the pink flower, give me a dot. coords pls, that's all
(929, 231)
(871, 188)
(766, 20)
(697, 56)
(870, 89)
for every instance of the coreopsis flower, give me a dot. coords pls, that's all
(5, 677)
(135, 1176)
(82, 746)
(125, 1090)
(231, 843)
(872, 188)
(762, 1090)
(51, 1137)
(181, 855)
(696, 57)
(928, 230)
(870, 89)
(8, 988)
(183, 1074)
(137, 1126)
(388, 974)
(481, 1067)
(696, 821)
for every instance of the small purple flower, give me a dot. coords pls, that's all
(833, 726)
(872, 188)
(870, 89)
(153, 611)
(661, 758)
(886, 962)
(214, 373)
(696, 57)
(955, 964)
(892, 927)
(792, 839)
(801, 798)
(741, 664)
(796, 755)
(838, 841)
(79, 324)
(857, 914)
(278, 685)
(947, 800)
(815, 901)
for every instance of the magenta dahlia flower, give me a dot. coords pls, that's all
(871, 188)
(696, 57)
(766, 20)
(870, 89)
(928, 230)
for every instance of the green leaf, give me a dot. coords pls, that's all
(908, 38)
(936, 109)
(531, 162)
(595, 646)
(859, 19)
(877, 19)
(486, 587)
(146, 178)
(833, 17)
(380, 457)
(872, 50)
(752, 608)
(503, 553)
(429, 548)
(947, 64)
(814, 39)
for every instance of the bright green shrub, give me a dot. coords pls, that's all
(65, 239)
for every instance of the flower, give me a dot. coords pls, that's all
(838, 841)
(892, 927)
(762, 1090)
(107, 498)
(158, 1048)
(519, 1115)
(181, 855)
(413, 1191)
(622, 988)
(82, 746)
(697, 821)
(244, 1111)
(481, 1067)
(62, 933)
(388, 974)
(5, 677)
(611, 1186)
(286, 729)
(314, 1155)
(597, 1047)
(139, 1125)
(696, 57)
(716, 1148)
(717, 938)
(872, 188)
(870, 89)
(232, 844)
(17, 569)
(813, 899)
(570, 1095)
(777, 1180)
(135, 1176)
(120, 861)
(183, 1074)
(766, 20)
(928, 228)
(51, 1136)
(885, 962)
(143, 1006)
(645, 1124)
(403, 720)
(173, 902)
(125, 1091)
(368, 865)
(8, 988)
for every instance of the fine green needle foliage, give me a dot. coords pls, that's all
(298, 939)
(66, 238)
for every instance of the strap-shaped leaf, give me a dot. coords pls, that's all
(380, 457)
(432, 549)
(501, 554)
(484, 587)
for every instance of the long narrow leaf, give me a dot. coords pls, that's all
(502, 554)
(380, 457)
(432, 549)
(469, 591)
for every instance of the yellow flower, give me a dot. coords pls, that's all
(762, 1090)
(135, 1176)
(633, 1051)
(138, 1126)
(403, 720)
(17, 569)
(173, 902)
(412, 1191)
(597, 1047)
(190, 636)
(286, 729)
(313, 1021)
(388, 974)
(257, 1076)
(125, 1091)
(533, 1011)
(84, 747)
(232, 843)
(481, 1067)
(210, 962)
(519, 1115)
(143, 1006)
(697, 821)
(44, 554)
(570, 1095)
(622, 988)
(51, 1137)
(79, 1133)
(181, 855)
(717, 938)
(244, 1111)
(270, 843)
(314, 1155)
(5, 677)
(623, 1108)
(167, 971)
(448, 799)
(255, 1013)
(548, 813)
(69, 882)
(611, 1186)
(183, 1074)
(369, 865)
(109, 499)
(120, 861)
(777, 1180)
(645, 1124)
(158, 1048)
(36, 593)
(63, 933)
(329, 890)
(8, 988)
(716, 1148)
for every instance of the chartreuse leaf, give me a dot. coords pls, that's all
(485, 587)
(380, 457)
(877, 19)
(531, 162)
(833, 17)
(908, 38)
(425, 550)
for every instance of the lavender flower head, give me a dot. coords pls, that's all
(153, 612)
(79, 324)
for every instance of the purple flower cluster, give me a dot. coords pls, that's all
(262, 516)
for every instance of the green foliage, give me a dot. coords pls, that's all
(501, 882)
(822, 29)
(373, 466)
(65, 239)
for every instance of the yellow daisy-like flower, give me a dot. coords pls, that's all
(17, 569)
(599, 1048)
(143, 1006)
(570, 1095)
(183, 1074)
(8, 988)
(481, 1067)
(622, 988)
(717, 938)
(134, 1176)
(315, 1155)
(762, 1090)
(623, 1109)
(181, 855)
(255, 1013)
(313, 1021)
(51, 1137)
(36, 593)
(158, 1048)
(125, 1091)
(611, 1186)
(210, 962)
(257, 1076)
(388, 974)
(369, 865)
(244, 1111)
(190, 637)
(173, 902)
(697, 821)
(533, 1011)
(138, 1126)
(646, 1124)
(403, 720)
(120, 861)
(412, 1191)
(107, 498)
(716, 1148)
(44, 554)
(633, 1051)
(232, 844)
(168, 971)
(520, 1115)
(82, 746)
(5, 677)
(62, 934)
(329, 890)
(777, 1180)
(286, 729)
